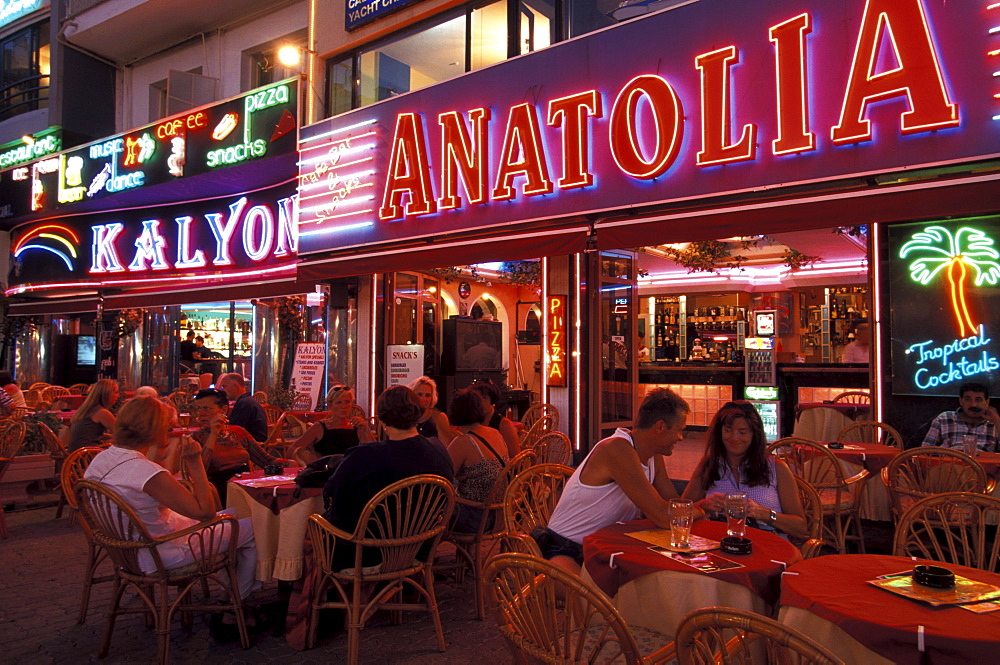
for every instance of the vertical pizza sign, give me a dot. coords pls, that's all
(555, 344)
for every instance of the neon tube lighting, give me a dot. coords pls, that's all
(346, 227)
(340, 130)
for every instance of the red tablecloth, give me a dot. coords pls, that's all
(990, 462)
(872, 456)
(761, 570)
(69, 402)
(835, 588)
(309, 416)
(275, 497)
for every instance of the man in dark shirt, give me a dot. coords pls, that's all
(246, 412)
(369, 468)
(188, 347)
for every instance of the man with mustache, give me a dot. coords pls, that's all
(974, 417)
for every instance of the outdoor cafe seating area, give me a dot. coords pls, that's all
(829, 598)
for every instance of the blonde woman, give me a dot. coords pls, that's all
(432, 423)
(335, 434)
(93, 420)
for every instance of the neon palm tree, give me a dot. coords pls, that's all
(967, 250)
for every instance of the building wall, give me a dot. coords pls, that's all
(332, 37)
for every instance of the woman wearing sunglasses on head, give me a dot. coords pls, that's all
(336, 433)
(736, 459)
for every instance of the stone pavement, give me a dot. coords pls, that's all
(41, 572)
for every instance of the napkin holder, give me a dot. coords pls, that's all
(935, 577)
(736, 545)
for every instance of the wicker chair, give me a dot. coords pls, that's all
(822, 470)
(79, 388)
(724, 635)
(11, 440)
(920, 472)
(52, 393)
(260, 397)
(357, 412)
(548, 615)
(532, 495)
(118, 530)
(378, 429)
(812, 508)
(553, 448)
(542, 426)
(39, 386)
(32, 397)
(180, 399)
(272, 413)
(401, 522)
(853, 397)
(536, 411)
(471, 549)
(58, 453)
(871, 431)
(73, 468)
(302, 402)
(954, 527)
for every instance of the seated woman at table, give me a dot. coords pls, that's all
(736, 460)
(159, 500)
(491, 395)
(226, 449)
(433, 423)
(12, 389)
(335, 434)
(93, 419)
(477, 457)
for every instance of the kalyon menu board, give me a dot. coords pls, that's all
(709, 98)
(944, 293)
(257, 124)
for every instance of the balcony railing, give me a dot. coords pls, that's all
(28, 94)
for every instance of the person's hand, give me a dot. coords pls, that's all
(991, 414)
(360, 424)
(190, 448)
(757, 511)
(713, 503)
(218, 424)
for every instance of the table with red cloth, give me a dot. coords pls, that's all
(656, 592)
(874, 501)
(279, 515)
(829, 599)
(309, 417)
(820, 421)
(68, 402)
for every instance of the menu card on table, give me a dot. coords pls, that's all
(965, 590)
(706, 562)
(661, 538)
(265, 481)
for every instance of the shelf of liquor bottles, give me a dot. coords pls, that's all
(701, 327)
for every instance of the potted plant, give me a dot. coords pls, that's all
(33, 462)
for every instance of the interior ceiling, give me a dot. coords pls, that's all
(826, 244)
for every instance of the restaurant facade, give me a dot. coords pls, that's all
(707, 120)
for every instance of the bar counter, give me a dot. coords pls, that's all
(708, 385)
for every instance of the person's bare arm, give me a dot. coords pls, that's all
(616, 461)
(198, 504)
(458, 451)
(444, 429)
(791, 519)
(104, 417)
(661, 480)
(510, 437)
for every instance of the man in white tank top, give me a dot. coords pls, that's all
(623, 477)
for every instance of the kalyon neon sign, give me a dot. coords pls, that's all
(645, 123)
(261, 231)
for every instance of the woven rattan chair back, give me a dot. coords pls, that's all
(378, 429)
(542, 426)
(548, 615)
(73, 468)
(921, 472)
(11, 440)
(404, 522)
(302, 402)
(871, 431)
(954, 527)
(52, 393)
(272, 413)
(357, 412)
(853, 397)
(260, 397)
(532, 496)
(724, 635)
(180, 399)
(32, 397)
(553, 448)
(117, 529)
(536, 411)
(812, 509)
(819, 467)
(79, 388)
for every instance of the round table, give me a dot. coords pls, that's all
(279, 519)
(874, 502)
(823, 422)
(656, 592)
(829, 599)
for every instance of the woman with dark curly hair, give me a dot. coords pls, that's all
(736, 459)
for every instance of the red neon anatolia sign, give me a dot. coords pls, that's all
(647, 150)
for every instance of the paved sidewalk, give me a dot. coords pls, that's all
(41, 572)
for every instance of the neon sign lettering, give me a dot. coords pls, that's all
(953, 367)
(556, 343)
(236, 153)
(25, 153)
(265, 232)
(646, 123)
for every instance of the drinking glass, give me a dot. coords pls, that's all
(969, 446)
(681, 516)
(736, 514)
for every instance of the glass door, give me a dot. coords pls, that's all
(618, 342)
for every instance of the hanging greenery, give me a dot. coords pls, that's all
(710, 255)
(795, 259)
(522, 273)
(290, 316)
(127, 322)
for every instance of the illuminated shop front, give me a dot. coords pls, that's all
(187, 224)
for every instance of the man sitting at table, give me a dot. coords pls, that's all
(369, 468)
(247, 413)
(974, 417)
(622, 478)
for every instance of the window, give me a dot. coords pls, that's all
(25, 71)
(181, 91)
(261, 65)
